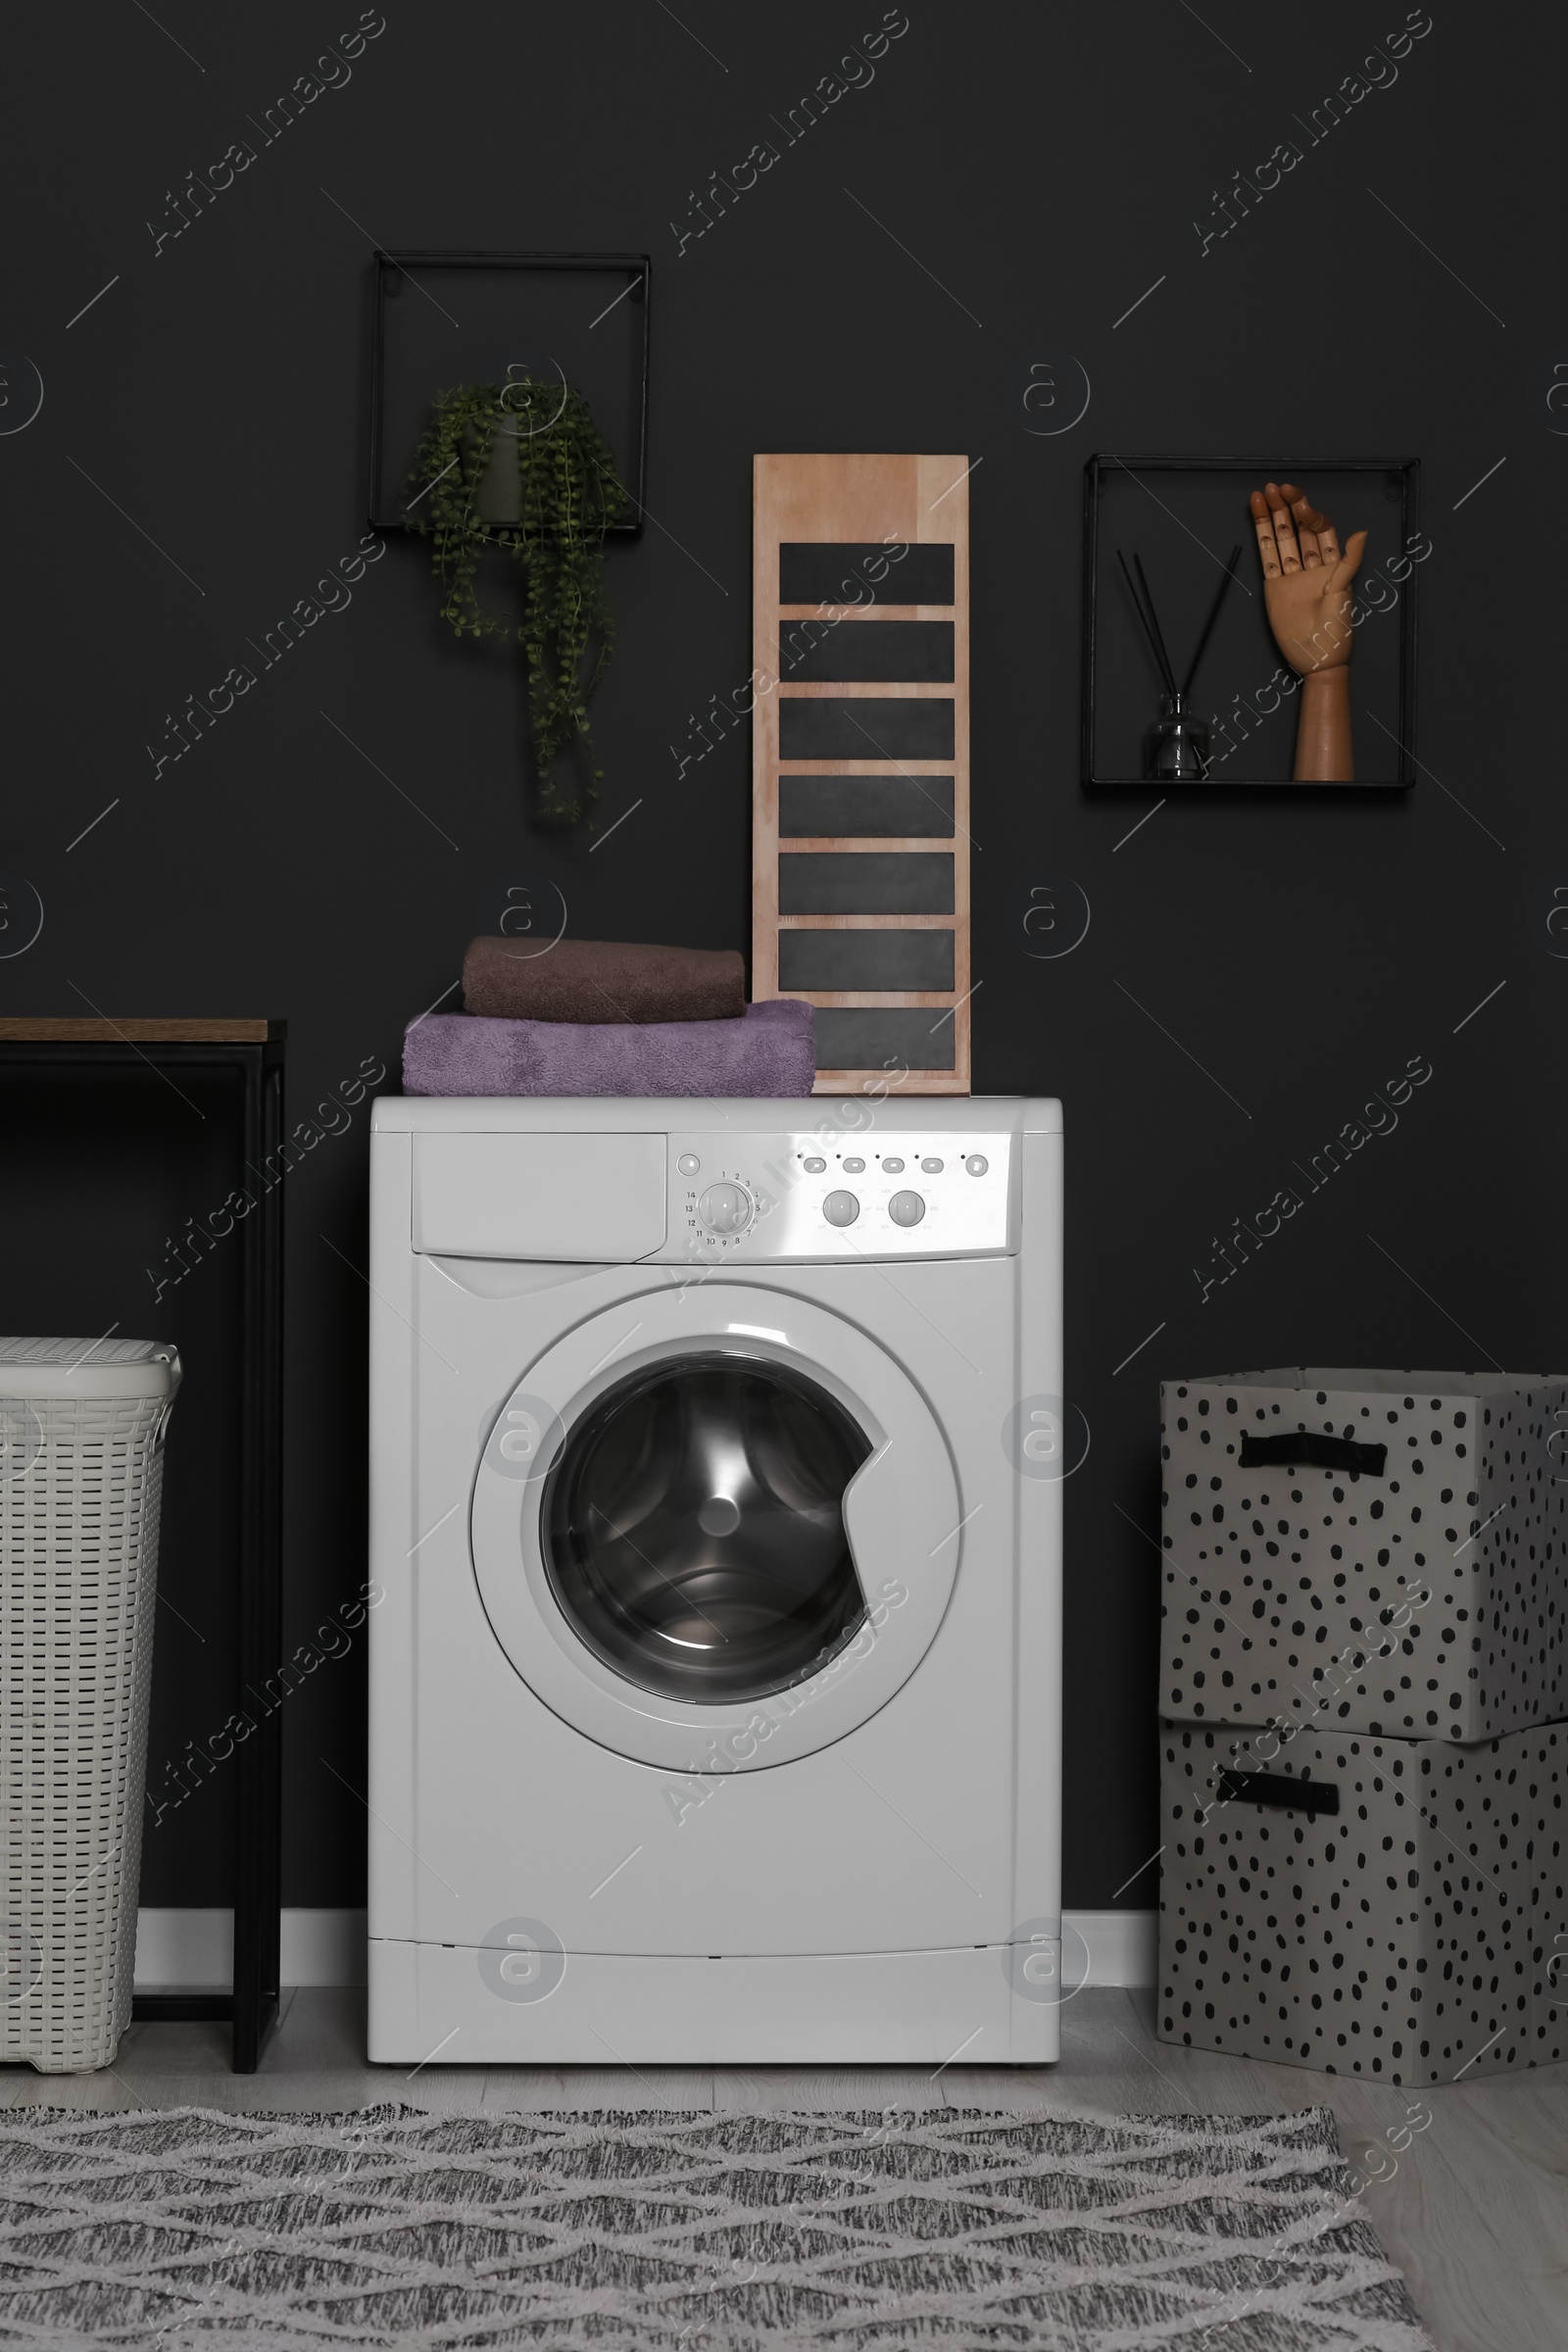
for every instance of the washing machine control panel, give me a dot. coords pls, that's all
(763, 1197)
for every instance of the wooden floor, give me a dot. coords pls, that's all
(1475, 2210)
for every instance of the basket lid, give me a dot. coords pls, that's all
(1360, 1380)
(102, 1367)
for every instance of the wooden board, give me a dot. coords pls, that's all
(863, 733)
(67, 1030)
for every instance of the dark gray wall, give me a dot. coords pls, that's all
(1256, 966)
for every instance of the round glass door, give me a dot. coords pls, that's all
(692, 1527)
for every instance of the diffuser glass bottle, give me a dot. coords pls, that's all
(1176, 743)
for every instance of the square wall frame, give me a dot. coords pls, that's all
(586, 313)
(1185, 514)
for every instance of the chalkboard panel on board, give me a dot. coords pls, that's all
(905, 806)
(882, 1037)
(862, 727)
(854, 653)
(832, 573)
(866, 961)
(865, 882)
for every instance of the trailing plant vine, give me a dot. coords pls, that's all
(552, 519)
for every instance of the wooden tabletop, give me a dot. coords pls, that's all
(48, 1029)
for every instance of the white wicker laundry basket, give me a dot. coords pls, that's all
(82, 1456)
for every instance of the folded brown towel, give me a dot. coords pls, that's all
(595, 980)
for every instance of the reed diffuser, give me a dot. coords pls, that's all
(1176, 743)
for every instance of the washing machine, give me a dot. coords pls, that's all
(716, 1462)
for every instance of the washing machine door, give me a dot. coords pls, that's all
(717, 1529)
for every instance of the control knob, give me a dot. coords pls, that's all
(726, 1208)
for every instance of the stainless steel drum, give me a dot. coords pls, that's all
(694, 1528)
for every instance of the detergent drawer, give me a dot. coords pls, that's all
(596, 1200)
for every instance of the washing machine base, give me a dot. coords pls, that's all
(457, 2005)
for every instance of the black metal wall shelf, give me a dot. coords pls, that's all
(1185, 514)
(439, 319)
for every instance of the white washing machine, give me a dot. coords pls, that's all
(716, 1455)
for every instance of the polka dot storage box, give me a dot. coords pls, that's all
(1391, 1908)
(81, 1455)
(1377, 1552)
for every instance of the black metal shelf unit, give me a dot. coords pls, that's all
(251, 2006)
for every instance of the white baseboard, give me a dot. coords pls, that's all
(192, 1948)
(1109, 1947)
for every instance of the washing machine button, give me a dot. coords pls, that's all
(841, 1209)
(815, 1167)
(688, 1163)
(905, 1209)
(977, 1163)
(930, 1168)
(854, 1167)
(892, 1167)
(726, 1208)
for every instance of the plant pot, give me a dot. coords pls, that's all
(498, 494)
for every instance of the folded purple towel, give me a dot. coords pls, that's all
(768, 1050)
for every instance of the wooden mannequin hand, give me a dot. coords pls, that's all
(1308, 592)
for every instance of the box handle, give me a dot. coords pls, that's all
(1278, 1788)
(1313, 1445)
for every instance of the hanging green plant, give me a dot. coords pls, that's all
(523, 467)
